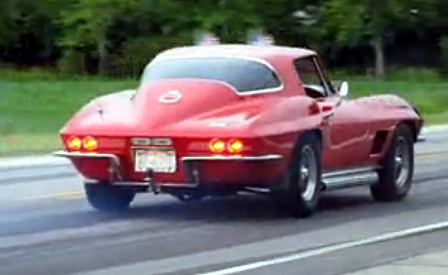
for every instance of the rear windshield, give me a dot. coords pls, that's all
(244, 75)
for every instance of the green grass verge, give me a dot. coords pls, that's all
(26, 144)
(430, 97)
(32, 111)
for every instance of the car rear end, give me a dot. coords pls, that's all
(174, 161)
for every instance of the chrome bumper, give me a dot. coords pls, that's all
(86, 155)
(190, 166)
(233, 158)
(114, 160)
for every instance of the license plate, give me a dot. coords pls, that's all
(162, 161)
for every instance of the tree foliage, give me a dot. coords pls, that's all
(105, 36)
(353, 22)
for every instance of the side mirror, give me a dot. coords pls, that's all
(343, 89)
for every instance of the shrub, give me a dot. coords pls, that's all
(26, 74)
(71, 63)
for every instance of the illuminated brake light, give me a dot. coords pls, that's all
(74, 143)
(235, 146)
(90, 143)
(217, 146)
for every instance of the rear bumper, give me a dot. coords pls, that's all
(233, 171)
(261, 158)
(93, 161)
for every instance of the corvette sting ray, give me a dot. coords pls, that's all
(220, 119)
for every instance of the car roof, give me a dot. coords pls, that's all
(266, 53)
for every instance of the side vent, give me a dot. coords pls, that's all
(378, 142)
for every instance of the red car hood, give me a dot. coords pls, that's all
(172, 108)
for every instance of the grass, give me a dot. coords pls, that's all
(42, 107)
(26, 144)
(430, 97)
(32, 112)
(33, 107)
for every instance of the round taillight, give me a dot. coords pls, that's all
(90, 143)
(217, 146)
(74, 143)
(235, 146)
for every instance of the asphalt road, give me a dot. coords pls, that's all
(46, 227)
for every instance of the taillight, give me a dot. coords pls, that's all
(235, 146)
(74, 143)
(90, 143)
(217, 146)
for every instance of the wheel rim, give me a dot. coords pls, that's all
(401, 162)
(307, 173)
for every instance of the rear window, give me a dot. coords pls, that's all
(244, 75)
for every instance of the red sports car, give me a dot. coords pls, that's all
(216, 120)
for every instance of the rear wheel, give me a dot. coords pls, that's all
(109, 198)
(304, 177)
(395, 176)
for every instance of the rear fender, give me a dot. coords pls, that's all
(392, 122)
(285, 123)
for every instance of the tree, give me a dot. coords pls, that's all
(93, 34)
(230, 20)
(353, 20)
(28, 31)
(7, 16)
(88, 22)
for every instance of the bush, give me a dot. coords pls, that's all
(72, 63)
(27, 74)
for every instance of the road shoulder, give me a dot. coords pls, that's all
(433, 263)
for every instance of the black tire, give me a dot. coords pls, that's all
(395, 176)
(303, 188)
(108, 198)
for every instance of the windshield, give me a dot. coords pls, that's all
(244, 75)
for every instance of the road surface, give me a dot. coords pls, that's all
(46, 227)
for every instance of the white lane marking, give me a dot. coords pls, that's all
(328, 249)
(286, 245)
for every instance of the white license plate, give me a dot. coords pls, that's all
(162, 161)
